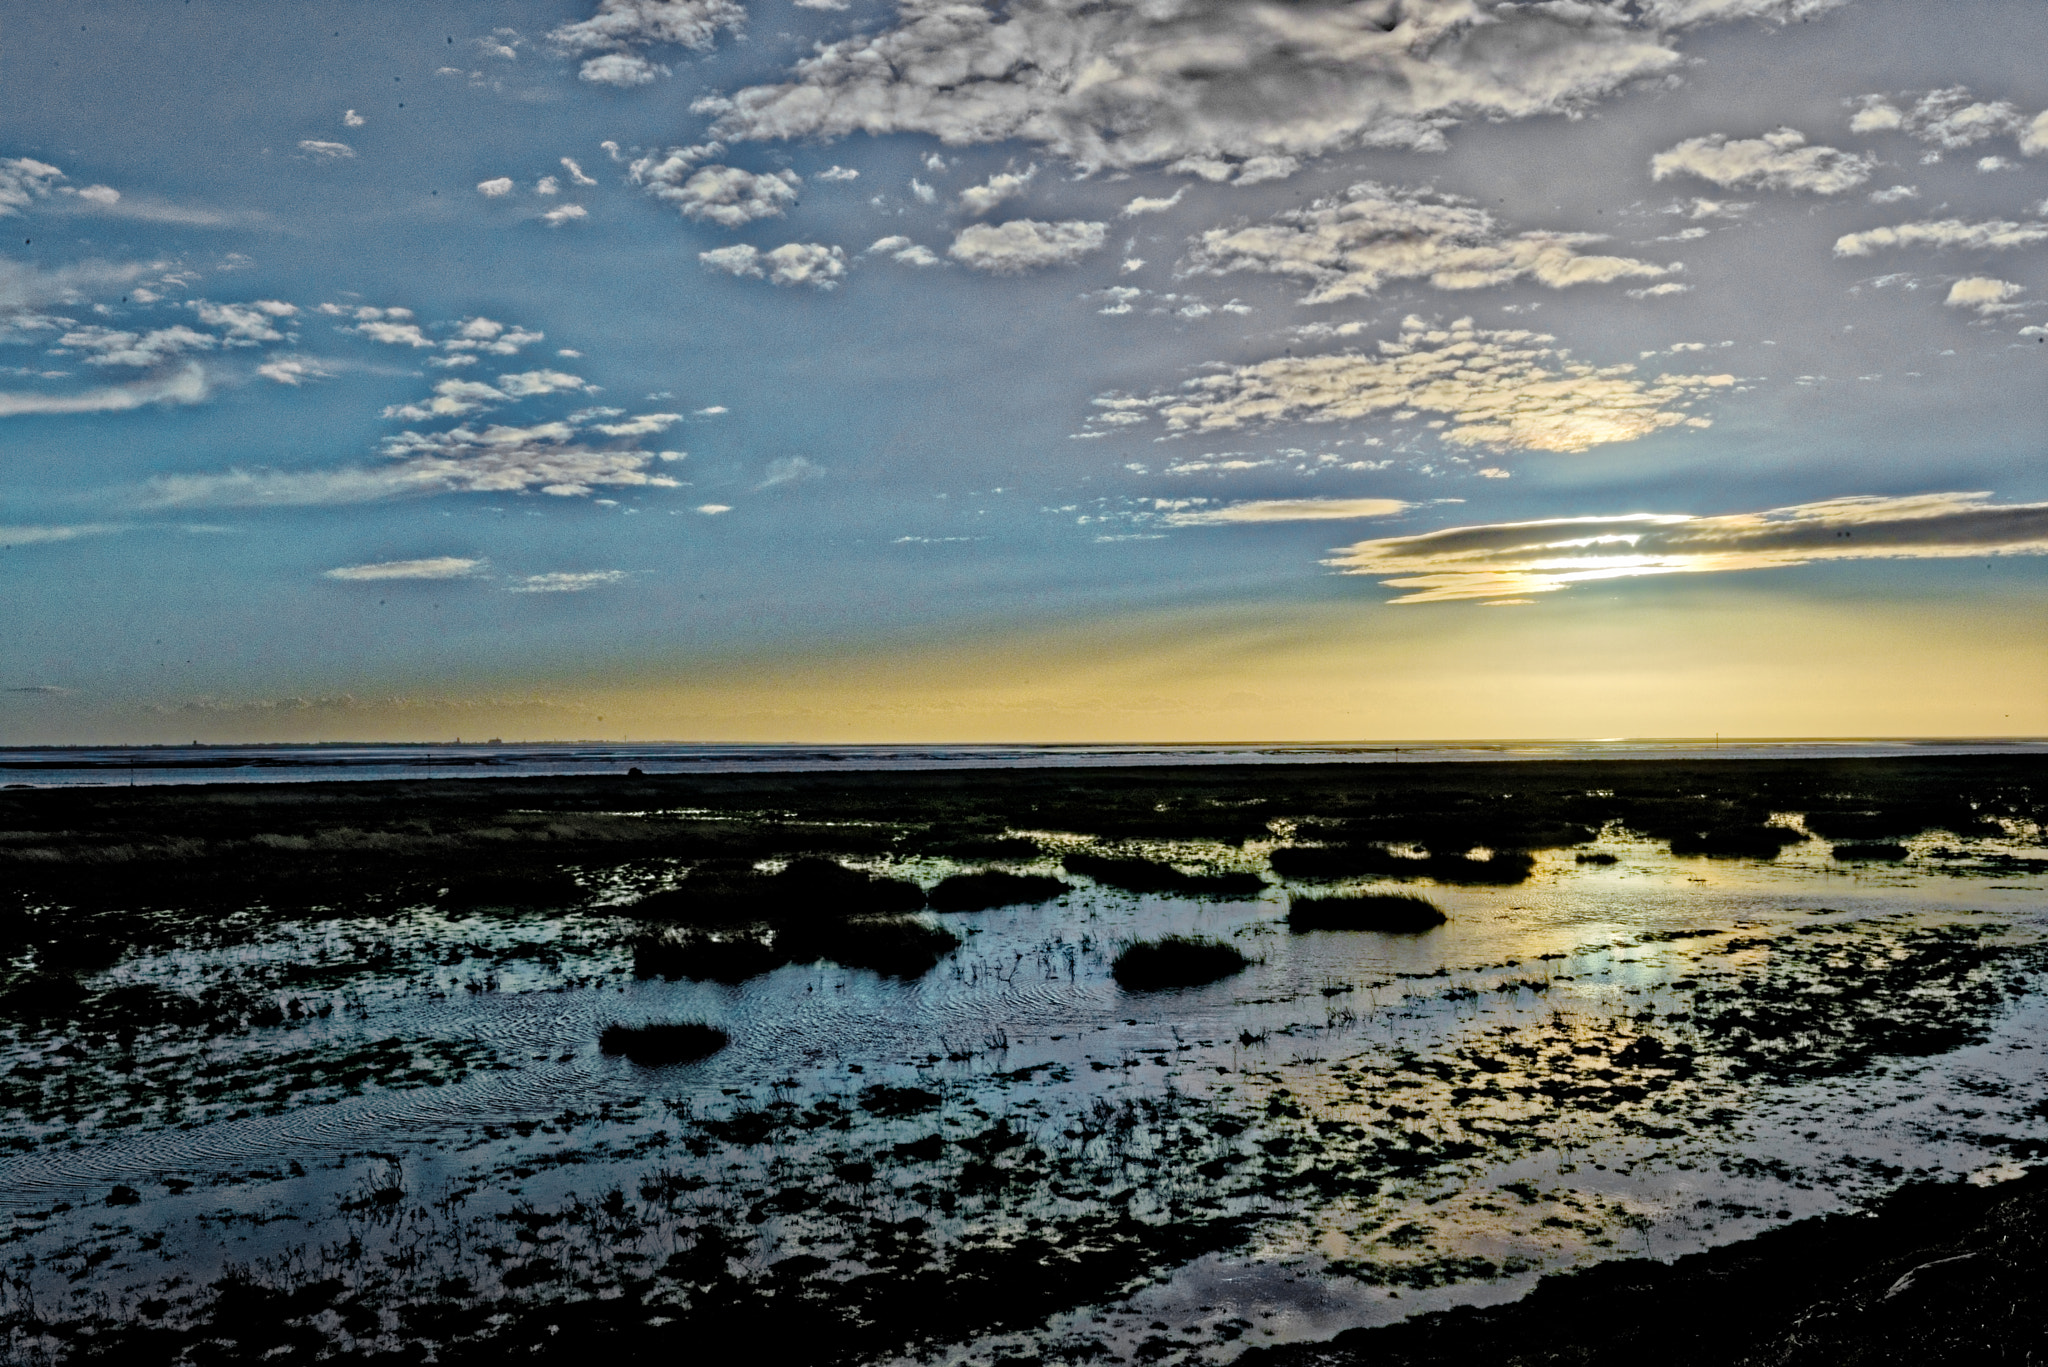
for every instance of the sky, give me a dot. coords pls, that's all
(830, 370)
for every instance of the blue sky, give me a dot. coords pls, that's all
(1168, 370)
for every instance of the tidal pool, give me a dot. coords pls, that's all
(409, 1135)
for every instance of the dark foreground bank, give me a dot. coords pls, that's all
(1938, 1273)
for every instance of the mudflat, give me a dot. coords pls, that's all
(843, 1064)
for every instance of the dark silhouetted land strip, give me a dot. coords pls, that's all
(1936, 1274)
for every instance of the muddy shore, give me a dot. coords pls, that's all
(321, 1071)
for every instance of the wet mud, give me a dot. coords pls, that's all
(850, 1067)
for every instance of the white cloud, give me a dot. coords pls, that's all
(1501, 390)
(186, 386)
(900, 248)
(108, 346)
(576, 172)
(730, 197)
(326, 151)
(528, 383)
(1025, 244)
(391, 333)
(1143, 84)
(489, 335)
(2034, 137)
(1142, 205)
(621, 69)
(439, 567)
(495, 189)
(1984, 294)
(793, 263)
(838, 173)
(1289, 510)
(452, 399)
(1516, 559)
(1949, 118)
(1996, 234)
(1893, 194)
(1350, 246)
(547, 185)
(567, 213)
(545, 457)
(37, 536)
(643, 425)
(293, 370)
(23, 181)
(926, 194)
(1779, 160)
(1665, 290)
(246, 324)
(106, 196)
(713, 509)
(622, 24)
(979, 199)
(567, 583)
(351, 119)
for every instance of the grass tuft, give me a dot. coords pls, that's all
(662, 1042)
(1399, 912)
(1175, 961)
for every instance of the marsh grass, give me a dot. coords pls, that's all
(1175, 961)
(1331, 862)
(662, 1043)
(1401, 912)
(1869, 851)
(991, 888)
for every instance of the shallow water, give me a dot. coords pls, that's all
(1643, 1057)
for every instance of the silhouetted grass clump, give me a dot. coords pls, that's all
(1148, 875)
(808, 889)
(1385, 911)
(1502, 868)
(994, 888)
(1175, 961)
(1736, 842)
(1869, 852)
(1905, 819)
(662, 1042)
(893, 946)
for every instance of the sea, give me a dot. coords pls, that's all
(116, 765)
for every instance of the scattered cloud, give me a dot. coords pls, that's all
(293, 370)
(111, 346)
(246, 324)
(1502, 390)
(1515, 559)
(1950, 118)
(1289, 510)
(1350, 245)
(490, 336)
(1779, 160)
(1025, 244)
(793, 263)
(2034, 137)
(730, 197)
(326, 151)
(620, 25)
(36, 536)
(351, 119)
(623, 70)
(838, 173)
(567, 583)
(1984, 294)
(1893, 194)
(900, 248)
(1142, 205)
(23, 181)
(713, 509)
(979, 199)
(495, 189)
(1995, 234)
(439, 567)
(565, 213)
(1212, 84)
(790, 470)
(575, 171)
(187, 385)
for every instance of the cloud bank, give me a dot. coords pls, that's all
(1501, 389)
(1516, 559)
(1775, 161)
(439, 567)
(1289, 510)
(1351, 245)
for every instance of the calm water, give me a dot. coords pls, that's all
(1643, 1057)
(118, 765)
